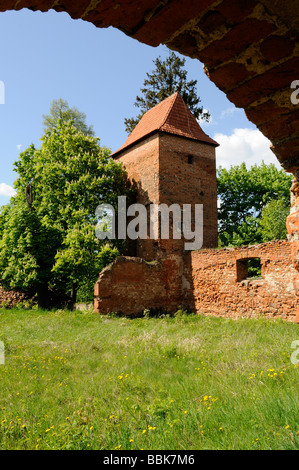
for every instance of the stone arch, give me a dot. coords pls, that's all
(250, 50)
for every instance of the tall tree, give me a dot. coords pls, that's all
(244, 194)
(60, 110)
(168, 77)
(273, 220)
(49, 242)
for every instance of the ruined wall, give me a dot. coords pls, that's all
(11, 298)
(216, 285)
(130, 285)
(293, 235)
(209, 281)
(250, 50)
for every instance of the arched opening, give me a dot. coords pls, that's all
(249, 50)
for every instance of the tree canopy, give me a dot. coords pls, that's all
(168, 77)
(247, 198)
(51, 244)
(60, 110)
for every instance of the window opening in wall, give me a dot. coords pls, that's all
(190, 159)
(248, 268)
(254, 267)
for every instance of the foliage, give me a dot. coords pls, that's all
(27, 249)
(254, 267)
(60, 110)
(168, 77)
(82, 263)
(273, 220)
(53, 244)
(244, 195)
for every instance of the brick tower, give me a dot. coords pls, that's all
(169, 159)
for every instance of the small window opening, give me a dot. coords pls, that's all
(190, 159)
(249, 268)
(254, 267)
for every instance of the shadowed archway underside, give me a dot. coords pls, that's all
(249, 49)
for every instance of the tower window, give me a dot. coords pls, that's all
(190, 159)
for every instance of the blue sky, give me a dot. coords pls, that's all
(46, 56)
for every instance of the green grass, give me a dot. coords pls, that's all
(74, 380)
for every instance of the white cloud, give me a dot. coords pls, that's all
(243, 145)
(19, 146)
(229, 112)
(6, 190)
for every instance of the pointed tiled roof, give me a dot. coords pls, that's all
(171, 116)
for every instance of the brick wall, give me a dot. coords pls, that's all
(11, 299)
(142, 165)
(158, 167)
(130, 285)
(190, 183)
(215, 281)
(206, 281)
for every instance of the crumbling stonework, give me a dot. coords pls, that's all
(10, 299)
(131, 285)
(293, 234)
(207, 281)
(218, 285)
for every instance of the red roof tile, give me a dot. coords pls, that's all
(171, 116)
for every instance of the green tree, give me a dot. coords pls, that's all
(273, 220)
(243, 194)
(60, 110)
(168, 77)
(52, 244)
(27, 250)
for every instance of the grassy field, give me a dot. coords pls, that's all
(77, 380)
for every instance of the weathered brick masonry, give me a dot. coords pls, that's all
(11, 299)
(217, 284)
(209, 281)
(130, 285)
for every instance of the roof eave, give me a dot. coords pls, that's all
(122, 149)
